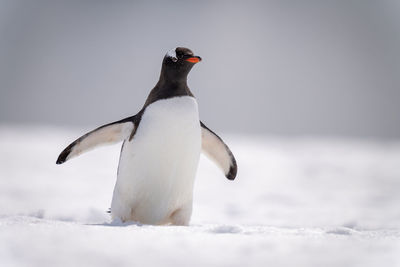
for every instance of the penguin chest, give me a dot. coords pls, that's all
(158, 166)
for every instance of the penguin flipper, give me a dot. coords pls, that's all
(107, 134)
(215, 149)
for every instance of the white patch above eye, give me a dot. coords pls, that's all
(172, 53)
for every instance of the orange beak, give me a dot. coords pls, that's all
(193, 59)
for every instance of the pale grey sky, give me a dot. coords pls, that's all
(329, 68)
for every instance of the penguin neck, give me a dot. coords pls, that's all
(173, 81)
(173, 77)
(169, 82)
(169, 86)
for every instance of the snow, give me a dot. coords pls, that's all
(295, 202)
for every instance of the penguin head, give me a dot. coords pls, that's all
(177, 63)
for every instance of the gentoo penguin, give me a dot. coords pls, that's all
(160, 150)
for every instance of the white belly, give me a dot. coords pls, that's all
(157, 168)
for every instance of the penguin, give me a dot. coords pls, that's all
(161, 147)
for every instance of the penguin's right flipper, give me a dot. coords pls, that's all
(105, 135)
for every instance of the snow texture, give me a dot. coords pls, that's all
(295, 202)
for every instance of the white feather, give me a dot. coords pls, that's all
(103, 136)
(171, 53)
(158, 167)
(215, 149)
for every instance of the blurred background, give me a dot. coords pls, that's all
(305, 93)
(296, 68)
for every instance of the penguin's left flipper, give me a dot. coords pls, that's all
(213, 146)
(107, 134)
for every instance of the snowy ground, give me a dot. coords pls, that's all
(296, 202)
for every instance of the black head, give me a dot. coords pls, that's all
(177, 64)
